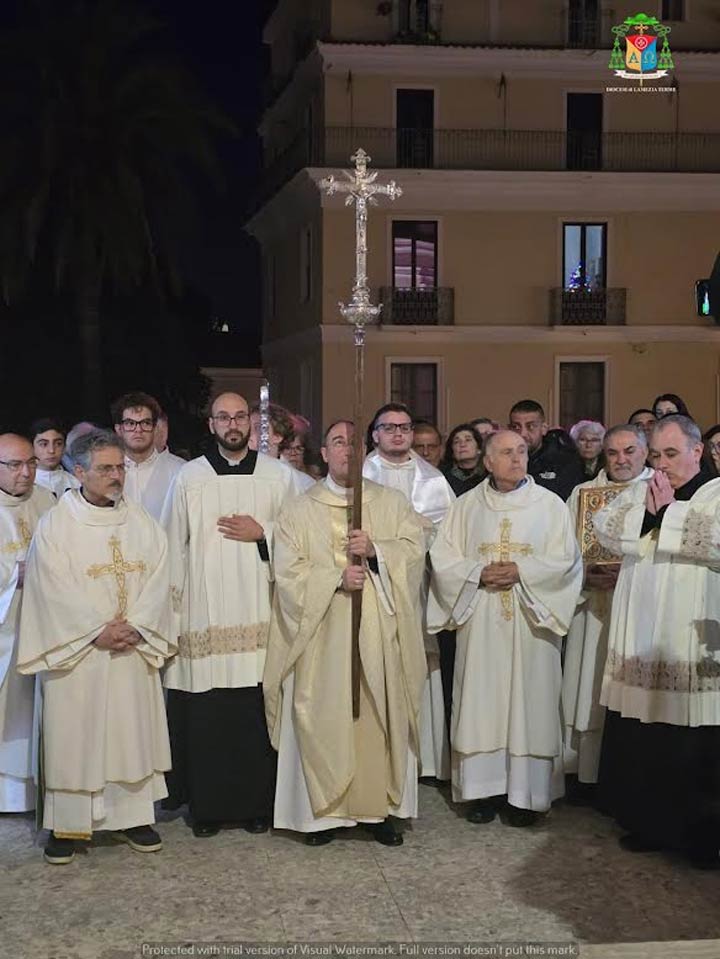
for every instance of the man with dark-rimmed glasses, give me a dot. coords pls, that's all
(219, 518)
(148, 473)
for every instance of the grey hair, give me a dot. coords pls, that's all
(84, 446)
(637, 431)
(688, 427)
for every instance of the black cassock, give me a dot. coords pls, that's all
(223, 764)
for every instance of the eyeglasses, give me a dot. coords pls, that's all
(107, 469)
(16, 465)
(224, 419)
(132, 425)
(296, 449)
(394, 427)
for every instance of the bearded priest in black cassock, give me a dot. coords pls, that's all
(219, 518)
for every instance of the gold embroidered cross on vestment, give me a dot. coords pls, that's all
(25, 539)
(504, 549)
(117, 568)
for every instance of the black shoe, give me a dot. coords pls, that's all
(171, 804)
(257, 825)
(320, 838)
(140, 838)
(521, 818)
(203, 829)
(59, 852)
(481, 811)
(632, 842)
(385, 833)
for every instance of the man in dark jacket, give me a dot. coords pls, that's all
(550, 463)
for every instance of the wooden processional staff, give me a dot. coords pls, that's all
(362, 189)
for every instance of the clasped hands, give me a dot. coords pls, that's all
(499, 576)
(118, 636)
(602, 577)
(659, 493)
(358, 544)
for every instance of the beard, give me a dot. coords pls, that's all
(233, 445)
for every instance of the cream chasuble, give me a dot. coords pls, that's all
(663, 661)
(585, 655)
(147, 483)
(333, 770)
(19, 516)
(430, 494)
(506, 730)
(104, 733)
(221, 588)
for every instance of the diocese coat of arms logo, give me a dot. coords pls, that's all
(641, 60)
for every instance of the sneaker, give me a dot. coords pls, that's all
(140, 838)
(59, 852)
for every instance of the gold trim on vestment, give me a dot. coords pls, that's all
(658, 674)
(87, 836)
(22, 543)
(223, 641)
(590, 502)
(117, 568)
(505, 548)
(176, 598)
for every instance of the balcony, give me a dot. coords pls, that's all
(433, 306)
(587, 307)
(584, 33)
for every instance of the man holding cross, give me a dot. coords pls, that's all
(96, 626)
(507, 574)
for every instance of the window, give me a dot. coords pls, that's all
(306, 264)
(414, 122)
(584, 24)
(415, 252)
(672, 10)
(415, 385)
(584, 256)
(584, 125)
(582, 392)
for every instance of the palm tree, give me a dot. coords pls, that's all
(103, 139)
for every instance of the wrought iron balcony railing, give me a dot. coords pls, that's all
(431, 306)
(587, 307)
(584, 33)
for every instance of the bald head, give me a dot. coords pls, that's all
(17, 464)
(224, 400)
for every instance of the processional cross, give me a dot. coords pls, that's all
(117, 568)
(504, 549)
(362, 188)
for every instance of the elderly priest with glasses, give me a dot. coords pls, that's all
(21, 506)
(96, 626)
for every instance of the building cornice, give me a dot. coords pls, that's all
(530, 191)
(386, 336)
(445, 60)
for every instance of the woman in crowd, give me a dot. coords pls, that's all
(711, 453)
(587, 435)
(668, 403)
(462, 464)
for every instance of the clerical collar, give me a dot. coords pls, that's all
(9, 499)
(225, 467)
(110, 505)
(405, 465)
(130, 463)
(337, 489)
(522, 482)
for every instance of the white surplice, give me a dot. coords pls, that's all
(19, 515)
(148, 482)
(105, 744)
(221, 588)
(506, 729)
(57, 481)
(431, 495)
(663, 662)
(585, 655)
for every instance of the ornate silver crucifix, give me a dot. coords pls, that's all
(361, 188)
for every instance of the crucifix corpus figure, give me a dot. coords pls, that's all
(361, 188)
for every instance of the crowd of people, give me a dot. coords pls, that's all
(524, 613)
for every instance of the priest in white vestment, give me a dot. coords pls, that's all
(149, 474)
(21, 506)
(507, 572)
(396, 465)
(625, 451)
(96, 625)
(660, 763)
(335, 770)
(220, 518)
(48, 439)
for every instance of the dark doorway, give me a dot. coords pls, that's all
(415, 119)
(584, 131)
